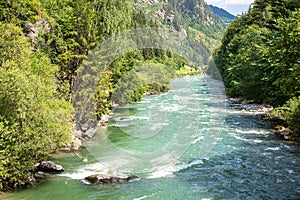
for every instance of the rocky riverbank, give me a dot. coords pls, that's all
(262, 110)
(249, 106)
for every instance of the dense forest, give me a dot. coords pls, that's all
(43, 43)
(259, 58)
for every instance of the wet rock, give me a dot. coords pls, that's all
(104, 120)
(248, 106)
(31, 180)
(49, 167)
(284, 132)
(114, 106)
(110, 178)
(42, 175)
(287, 137)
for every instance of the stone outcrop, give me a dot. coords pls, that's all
(48, 167)
(110, 178)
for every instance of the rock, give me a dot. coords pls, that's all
(49, 167)
(284, 132)
(104, 120)
(84, 126)
(76, 143)
(287, 137)
(31, 180)
(64, 150)
(77, 133)
(90, 133)
(114, 106)
(151, 1)
(110, 178)
(42, 175)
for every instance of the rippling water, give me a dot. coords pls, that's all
(184, 144)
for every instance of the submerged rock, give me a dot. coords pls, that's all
(110, 178)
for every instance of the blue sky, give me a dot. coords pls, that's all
(233, 6)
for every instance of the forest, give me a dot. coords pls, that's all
(259, 58)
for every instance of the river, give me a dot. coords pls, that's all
(184, 144)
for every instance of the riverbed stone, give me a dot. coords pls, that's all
(110, 178)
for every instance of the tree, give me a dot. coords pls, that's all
(33, 122)
(284, 56)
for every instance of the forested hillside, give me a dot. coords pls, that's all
(42, 46)
(193, 17)
(259, 58)
(223, 14)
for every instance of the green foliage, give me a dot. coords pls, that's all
(284, 57)
(19, 11)
(290, 113)
(79, 26)
(33, 122)
(149, 77)
(103, 94)
(259, 57)
(13, 45)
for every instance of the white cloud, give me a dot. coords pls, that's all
(238, 2)
(230, 2)
(234, 6)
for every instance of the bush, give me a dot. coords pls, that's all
(33, 122)
(290, 113)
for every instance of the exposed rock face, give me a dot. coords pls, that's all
(110, 178)
(34, 30)
(152, 1)
(49, 167)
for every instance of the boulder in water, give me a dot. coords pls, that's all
(110, 178)
(49, 167)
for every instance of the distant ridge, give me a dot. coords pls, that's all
(222, 13)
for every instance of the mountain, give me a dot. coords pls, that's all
(193, 17)
(222, 13)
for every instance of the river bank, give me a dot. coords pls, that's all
(264, 111)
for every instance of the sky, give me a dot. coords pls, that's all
(235, 7)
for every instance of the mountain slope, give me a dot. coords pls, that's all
(194, 17)
(222, 13)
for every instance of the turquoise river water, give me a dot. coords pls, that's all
(187, 143)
